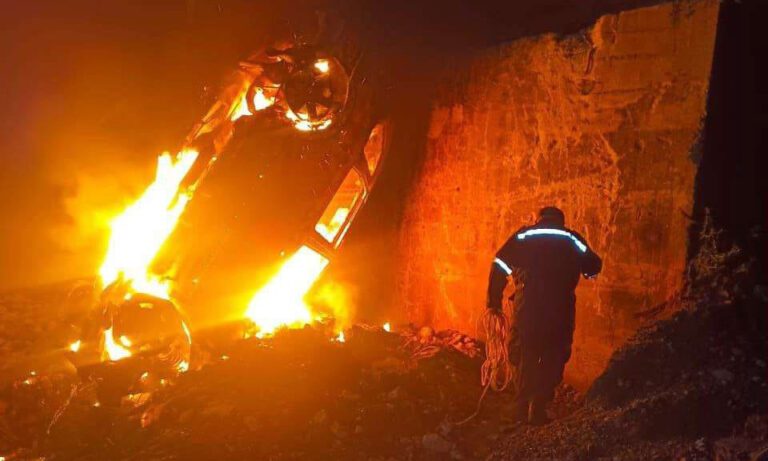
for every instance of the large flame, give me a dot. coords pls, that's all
(140, 231)
(138, 234)
(281, 301)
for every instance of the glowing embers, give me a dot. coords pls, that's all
(557, 232)
(141, 230)
(75, 345)
(322, 66)
(374, 147)
(302, 121)
(280, 303)
(336, 218)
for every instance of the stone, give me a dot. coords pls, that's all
(426, 333)
(252, 423)
(395, 393)
(722, 375)
(320, 417)
(436, 443)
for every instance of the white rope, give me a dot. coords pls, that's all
(496, 372)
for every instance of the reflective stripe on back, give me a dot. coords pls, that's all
(556, 232)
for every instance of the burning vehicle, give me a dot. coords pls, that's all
(218, 322)
(239, 224)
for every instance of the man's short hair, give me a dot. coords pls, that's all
(551, 213)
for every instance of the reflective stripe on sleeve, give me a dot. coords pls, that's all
(503, 266)
(559, 232)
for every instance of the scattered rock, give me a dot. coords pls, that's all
(436, 443)
(395, 393)
(320, 417)
(722, 375)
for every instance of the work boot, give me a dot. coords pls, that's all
(537, 413)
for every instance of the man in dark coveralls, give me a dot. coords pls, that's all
(545, 261)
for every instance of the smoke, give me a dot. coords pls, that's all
(337, 299)
(88, 103)
(59, 199)
(92, 92)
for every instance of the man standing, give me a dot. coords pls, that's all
(545, 261)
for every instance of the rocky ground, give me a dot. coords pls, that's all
(299, 395)
(690, 387)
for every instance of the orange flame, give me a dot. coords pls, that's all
(112, 349)
(301, 124)
(260, 102)
(280, 303)
(138, 234)
(141, 230)
(330, 230)
(322, 66)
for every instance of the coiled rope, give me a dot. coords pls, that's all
(496, 372)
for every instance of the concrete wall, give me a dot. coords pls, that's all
(603, 124)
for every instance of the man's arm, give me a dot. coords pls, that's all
(501, 268)
(591, 264)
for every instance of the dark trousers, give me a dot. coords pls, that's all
(540, 350)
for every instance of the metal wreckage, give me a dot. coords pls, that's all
(261, 193)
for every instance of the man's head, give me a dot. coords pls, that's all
(552, 215)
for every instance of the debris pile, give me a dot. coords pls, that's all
(294, 396)
(425, 342)
(297, 395)
(691, 387)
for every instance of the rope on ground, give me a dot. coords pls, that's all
(496, 372)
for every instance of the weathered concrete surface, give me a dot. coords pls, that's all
(603, 124)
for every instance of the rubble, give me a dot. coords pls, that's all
(297, 395)
(687, 388)
(690, 387)
(437, 444)
(425, 342)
